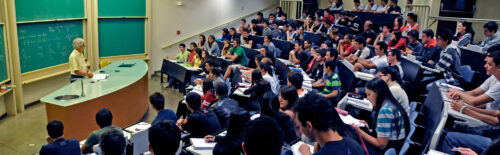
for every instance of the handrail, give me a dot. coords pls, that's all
(206, 30)
(462, 19)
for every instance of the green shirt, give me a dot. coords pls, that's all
(242, 57)
(182, 56)
(332, 83)
(95, 136)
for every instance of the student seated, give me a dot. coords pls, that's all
(200, 122)
(164, 138)
(412, 23)
(255, 28)
(370, 7)
(354, 23)
(475, 142)
(393, 7)
(270, 107)
(224, 105)
(158, 102)
(358, 6)
(320, 122)
(465, 33)
(368, 33)
(449, 61)
(392, 78)
(212, 47)
(337, 6)
(267, 72)
(397, 41)
(271, 20)
(430, 52)
(332, 81)
(287, 97)
(104, 119)
(299, 35)
(268, 42)
(334, 38)
(258, 88)
(243, 24)
(413, 44)
(112, 142)
(192, 52)
(295, 79)
(362, 52)
(266, 30)
(208, 93)
(327, 16)
(262, 135)
(320, 82)
(315, 66)
(345, 47)
(297, 56)
(394, 59)
(231, 142)
(225, 34)
(489, 92)
(492, 35)
(384, 36)
(383, 7)
(237, 54)
(276, 33)
(377, 62)
(57, 144)
(260, 18)
(233, 35)
(387, 109)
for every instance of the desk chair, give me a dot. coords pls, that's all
(468, 75)
(412, 75)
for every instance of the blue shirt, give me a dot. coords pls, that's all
(165, 114)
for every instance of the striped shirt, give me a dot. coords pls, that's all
(449, 64)
(332, 83)
(386, 122)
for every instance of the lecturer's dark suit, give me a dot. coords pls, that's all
(62, 147)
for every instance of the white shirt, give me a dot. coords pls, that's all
(400, 95)
(382, 8)
(272, 81)
(380, 61)
(491, 87)
(374, 7)
(364, 54)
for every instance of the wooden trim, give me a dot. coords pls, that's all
(227, 22)
(125, 57)
(44, 73)
(463, 19)
(7, 57)
(50, 20)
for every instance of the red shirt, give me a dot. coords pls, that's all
(348, 48)
(208, 99)
(401, 44)
(330, 17)
(191, 55)
(430, 43)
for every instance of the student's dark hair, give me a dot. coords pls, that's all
(400, 22)
(361, 40)
(413, 16)
(104, 117)
(204, 39)
(394, 72)
(246, 30)
(491, 26)
(237, 120)
(55, 128)
(270, 54)
(253, 21)
(256, 77)
(428, 33)
(301, 44)
(260, 14)
(211, 37)
(238, 41)
(157, 100)
(193, 100)
(289, 93)
(383, 46)
(414, 34)
(281, 10)
(295, 78)
(183, 45)
(198, 51)
(208, 84)
(339, 3)
(494, 52)
(271, 15)
(334, 53)
(244, 20)
(328, 22)
(395, 1)
(389, 27)
(284, 14)
(446, 35)
(112, 142)
(220, 88)
(411, 1)
(350, 36)
(331, 64)
(379, 87)
(216, 71)
(263, 135)
(468, 28)
(270, 105)
(357, 1)
(398, 34)
(322, 52)
(384, 1)
(259, 57)
(210, 62)
(233, 29)
(319, 111)
(225, 31)
(267, 67)
(396, 52)
(164, 137)
(194, 44)
(269, 37)
(266, 23)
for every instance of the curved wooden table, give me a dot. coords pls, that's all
(124, 93)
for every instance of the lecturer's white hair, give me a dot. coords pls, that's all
(77, 43)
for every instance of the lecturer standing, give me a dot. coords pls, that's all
(77, 63)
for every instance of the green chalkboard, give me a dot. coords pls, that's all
(32, 10)
(121, 36)
(3, 59)
(109, 8)
(46, 44)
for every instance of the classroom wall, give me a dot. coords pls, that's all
(486, 9)
(191, 18)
